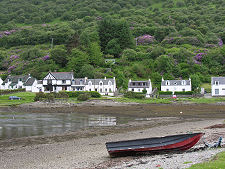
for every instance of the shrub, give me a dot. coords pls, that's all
(95, 94)
(39, 96)
(83, 97)
(165, 93)
(184, 93)
(8, 91)
(134, 95)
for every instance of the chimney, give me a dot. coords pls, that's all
(162, 79)
(129, 80)
(85, 79)
(105, 78)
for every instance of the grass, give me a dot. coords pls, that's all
(187, 162)
(144, 101)
(203, 100)
(218, 162)
(26, 97)
(207, 87)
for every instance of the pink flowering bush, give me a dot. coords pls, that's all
(145, 40)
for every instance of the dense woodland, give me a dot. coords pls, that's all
(147, 38)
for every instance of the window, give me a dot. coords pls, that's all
(100, 83)
(223, 88)
(133, 84)
(139, 84)
(132, 90)
(216, 91)
(183, 82)
(183, 90)
(105, 90)
(73, 82)
(89, 89)
(63, 81)
(167, 83)
(81, 82)
(100, 90)
(110, 83)
(167, 90)
(65, 87)
(110, 90)
(216, 82)
(175, 83)
(139, 90)
(96, 90)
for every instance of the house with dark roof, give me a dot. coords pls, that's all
(34, 85)
(139, 86)
(15, 82)
(176, 85)
(106, 86)
(218, 86)
(58, 81)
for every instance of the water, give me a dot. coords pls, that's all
(14, 125)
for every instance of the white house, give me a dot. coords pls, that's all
(58, 81)
(34, 85)
(15, 82)
(139, 86)
(1, 86)
(103, 86)
(176, 85)
(218, 86)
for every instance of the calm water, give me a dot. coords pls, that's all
(13, 125)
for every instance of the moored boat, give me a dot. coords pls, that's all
(179, 142)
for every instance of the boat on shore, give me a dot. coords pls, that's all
(170, 143)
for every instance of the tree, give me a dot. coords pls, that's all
(95, 55)
(59, 55)
(195, 83)
(113, 47)
(164, 64)
(87, 71)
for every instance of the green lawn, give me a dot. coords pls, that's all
(26, 97)
(144, 101)
(203, 100)
(218, 162)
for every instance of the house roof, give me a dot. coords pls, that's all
(62, 75)
(97, 81)
(220, 79)
(139, 84)
(15, 79)
(78, 81)
(30, 82)
(176, 83)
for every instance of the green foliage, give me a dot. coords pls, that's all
(83, 97)
(134, 95)
(195, 83)
(165, 93)
(49, 96)
(74, 94)
(4, 92)
(59, 55)
(184, 93)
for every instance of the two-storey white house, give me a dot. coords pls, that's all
(106, 86)
(218, 86)
(34, 85)
(65, 81)
(139, 86)
(15, 82)
(1, 86)
(176, 85)
(58, 81)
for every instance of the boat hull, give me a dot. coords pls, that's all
(180, 142)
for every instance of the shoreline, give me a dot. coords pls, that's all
(90, 152)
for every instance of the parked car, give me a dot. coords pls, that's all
(14, 98)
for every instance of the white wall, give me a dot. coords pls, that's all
(221, 89)
(176, 88)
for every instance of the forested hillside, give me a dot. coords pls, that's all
(147, 38)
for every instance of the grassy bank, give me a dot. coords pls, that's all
(217, 162)
(26, 97)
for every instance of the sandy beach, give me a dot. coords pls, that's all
(86, 148)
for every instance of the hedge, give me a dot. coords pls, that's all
(49, 96)
(136, 95)
(2, 92)
(165, 93)
(184, 93)
(77, 93)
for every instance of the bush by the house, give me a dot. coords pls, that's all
(184, 93)
(49, 96)
(165, 93)
(83, 97)
(2, 92)
(73, 94)
(134, 95)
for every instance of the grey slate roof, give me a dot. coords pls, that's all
(29, 82)
(78, 81)
(97, 81)
(175, 83)
(15, 79)
(137, 84)
(62, 75)
(221, 80)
